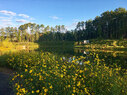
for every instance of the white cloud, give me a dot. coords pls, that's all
(21, 21)
(72, 26)
(8, 13)
(3, 17)
(54, 17)
(76, 20)
(24, 15)
(32, 18)
(6, 20)
(6, 24)
(9, 18)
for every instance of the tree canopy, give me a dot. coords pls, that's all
(109, 25)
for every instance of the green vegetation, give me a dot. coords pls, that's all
(13, 46)
(104, 44)
(110, 25)
(45, 73)
(6, 45)
(28, 45)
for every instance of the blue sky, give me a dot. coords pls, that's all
(54, 12)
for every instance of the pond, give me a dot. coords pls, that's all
(111, 57)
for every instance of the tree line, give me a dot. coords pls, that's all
(29, 32)
(109, 25)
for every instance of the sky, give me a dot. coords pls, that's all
(54, 12)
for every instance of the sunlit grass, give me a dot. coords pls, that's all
(104, 44)
(7, 45)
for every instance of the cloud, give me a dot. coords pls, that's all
(21, 21)
(9, 18)
(76, 20)
(54, 17)
(32, 18)
(5, 20)
(24, 15)
(3, 17)
(72, 26)
(8, 13)
(6, 24)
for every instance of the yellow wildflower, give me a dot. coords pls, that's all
(45, 90)
(32, 91)
(51, 87)
(30, 71)
(37, 91)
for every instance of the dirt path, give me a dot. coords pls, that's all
(5, 87)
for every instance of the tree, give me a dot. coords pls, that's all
(2, 33)
(19, 35)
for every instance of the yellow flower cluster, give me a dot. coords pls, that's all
(48, 74)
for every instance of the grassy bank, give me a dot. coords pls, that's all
(28, 45)
(12, 46)
(7, 48)
(104, 44)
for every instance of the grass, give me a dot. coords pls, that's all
(105, 44)
(28, 45)
(7, 45)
